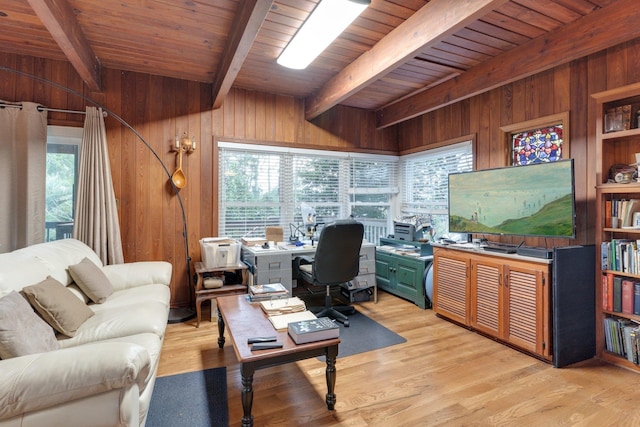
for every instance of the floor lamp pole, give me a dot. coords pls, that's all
(178, 314)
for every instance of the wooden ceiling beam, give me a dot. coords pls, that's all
(428, 26)
(609, 26)
(58, 17)
(244, 30)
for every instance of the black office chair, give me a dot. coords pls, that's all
(336, 261)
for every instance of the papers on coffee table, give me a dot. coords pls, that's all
(281, 321)
(275, 307)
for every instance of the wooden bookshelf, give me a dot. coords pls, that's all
(613, 148)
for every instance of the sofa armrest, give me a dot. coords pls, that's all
(43, 380)
(133, 274)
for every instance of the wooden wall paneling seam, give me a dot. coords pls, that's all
(206, 167)
(128, 175)
(141, 162)
(582, 153)
(157, 175)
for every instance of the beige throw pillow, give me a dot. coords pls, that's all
(22, 331)
(91, 280)
(58, 306)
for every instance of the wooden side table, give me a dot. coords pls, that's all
(204, 294)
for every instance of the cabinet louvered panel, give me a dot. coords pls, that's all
(524, 317)
(508, 297)
(486, 309)
(451, 289)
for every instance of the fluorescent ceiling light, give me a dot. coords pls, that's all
(327, 21)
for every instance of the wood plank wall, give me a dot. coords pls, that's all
(564, 88)
(159, 108)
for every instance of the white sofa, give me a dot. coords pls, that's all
(103, 375)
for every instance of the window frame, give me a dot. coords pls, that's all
(65, 140)
(290, 217)
(409, 207)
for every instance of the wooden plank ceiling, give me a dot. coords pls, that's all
(400, 58)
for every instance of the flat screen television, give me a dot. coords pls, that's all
(534, 200)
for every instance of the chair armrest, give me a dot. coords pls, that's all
(297, 262)
(303, 259)
(133, 274)
(43, 380)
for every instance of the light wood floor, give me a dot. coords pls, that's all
(443, 375)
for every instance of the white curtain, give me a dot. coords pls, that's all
(23, 155)
(96, 217)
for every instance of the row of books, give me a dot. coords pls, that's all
(620, 294)
(622, 210)
(622, 338)
(621, 255)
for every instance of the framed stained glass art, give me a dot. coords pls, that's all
(541, 140)
(537, 145)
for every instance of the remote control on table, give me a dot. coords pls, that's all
(266, 345)
(260, 339)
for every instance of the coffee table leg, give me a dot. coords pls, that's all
(220, 330)
(332, 354)
(247, 394)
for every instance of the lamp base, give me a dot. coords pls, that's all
(181, 314)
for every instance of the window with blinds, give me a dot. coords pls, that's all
(425, 181)
(264, 185)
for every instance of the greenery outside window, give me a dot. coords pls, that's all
(63, 155)
(265, 185)
(425, 182)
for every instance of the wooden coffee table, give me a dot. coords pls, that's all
(244, 320)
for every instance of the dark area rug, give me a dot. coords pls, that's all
(194, 399)
(364, 334)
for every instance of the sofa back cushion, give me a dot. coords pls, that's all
(91, 280)
(58, 306)
(30, 265)
(22, 331)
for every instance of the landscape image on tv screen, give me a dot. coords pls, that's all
(534, 200)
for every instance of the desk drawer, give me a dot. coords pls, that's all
(274, 262)
(367, 267)
(368, 253)
(363, 281)
(367, 260)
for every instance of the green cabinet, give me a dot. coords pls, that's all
(401, 269)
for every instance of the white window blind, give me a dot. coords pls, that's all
(425, 181)
(264, 185)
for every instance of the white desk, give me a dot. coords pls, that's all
(274, 265)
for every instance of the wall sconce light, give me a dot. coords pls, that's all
(185, 144)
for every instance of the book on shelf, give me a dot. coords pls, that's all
(627, 296)
(312, 330)
(617, 294)
(608, 297)
(274, 307)
(281, 321)
(636, 298)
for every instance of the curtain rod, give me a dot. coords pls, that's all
(55, 110)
